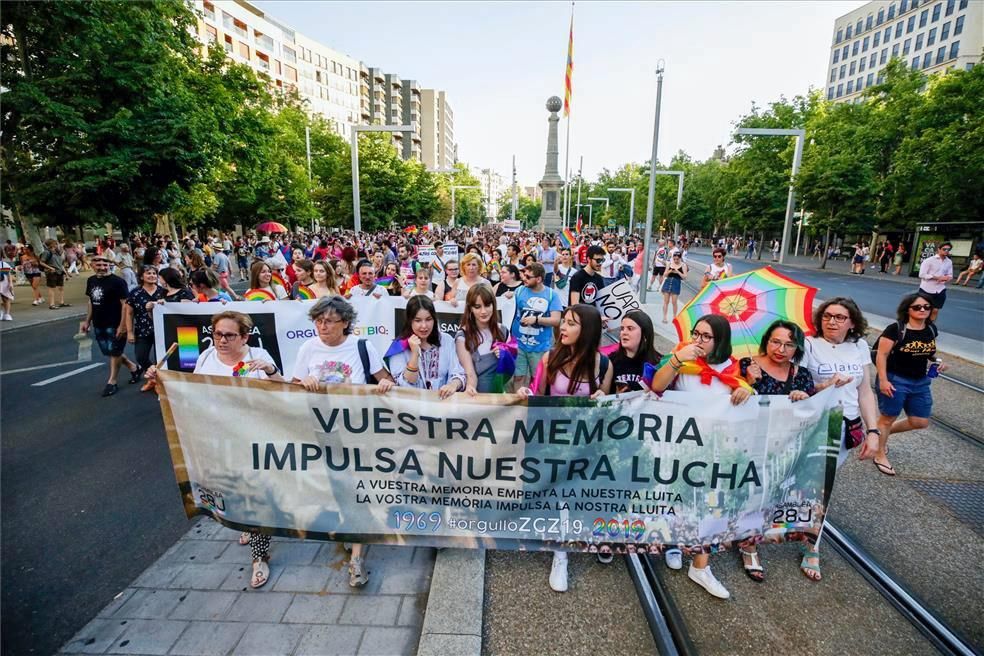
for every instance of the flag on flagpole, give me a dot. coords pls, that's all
(570, 67)
(580, 225)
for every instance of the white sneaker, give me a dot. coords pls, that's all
(674, 558)
(7, 317)
(705, 579)
(558, 572)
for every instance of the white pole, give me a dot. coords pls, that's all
(356, 210)
(580, 170)
(452, 207)
(652, 182)
(791, 200)
(515, 198)
(631, 209)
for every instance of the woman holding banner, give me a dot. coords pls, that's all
(703, 365)
(775, 370)
(573, 367)
(325, 283)
(422, 356)
(334, 357)
(488, 360)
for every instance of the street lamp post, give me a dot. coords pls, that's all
(679, 174)
(631, 203)
(453, 187)
(607, 202)
(797, 158)
(356, 129)
(652, 178)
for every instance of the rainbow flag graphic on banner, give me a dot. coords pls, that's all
(187, 346)
(257, 294)
(567, 237)
(279, 279)
(304, 293)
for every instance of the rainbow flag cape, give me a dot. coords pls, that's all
(399, 345)
(304, 293)
(567, 237)
(347, 285)
(259, 295)
(731, 376)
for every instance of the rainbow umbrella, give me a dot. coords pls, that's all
(751, 302)
(271, 227)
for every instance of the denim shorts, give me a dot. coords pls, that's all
(108, 342)
(911, 395)
(527, 361)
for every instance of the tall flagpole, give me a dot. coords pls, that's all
(567, 112)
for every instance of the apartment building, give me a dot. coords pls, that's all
(492, 185)
(327, 79)
(337, 86)
(928, 35)
(438, 147)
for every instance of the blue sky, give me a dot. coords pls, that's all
(500, 61)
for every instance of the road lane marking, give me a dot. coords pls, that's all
(40, 366)
(48, 381)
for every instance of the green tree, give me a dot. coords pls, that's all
(100, 118)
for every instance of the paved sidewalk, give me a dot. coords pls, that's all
(838, 267)
(25, 314)
(196, 600)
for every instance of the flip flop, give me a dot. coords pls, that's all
(888, 470)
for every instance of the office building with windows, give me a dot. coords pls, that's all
(492, 187)
(928, 35)
(438, 148)
(328, 80)
(335, 85)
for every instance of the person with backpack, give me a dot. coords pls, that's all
(335, 357)
(905, 364)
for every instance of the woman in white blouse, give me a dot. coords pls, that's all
(422, 356)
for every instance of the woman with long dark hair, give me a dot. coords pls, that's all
(139, 321)
(775, 370)
(573, 367)
(480, 342)
(635, 350)
(906, 350)
(704, 364)
(422, 356)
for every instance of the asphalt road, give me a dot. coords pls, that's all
(962, 315)
(88, 493)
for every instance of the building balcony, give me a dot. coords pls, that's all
(264, 42)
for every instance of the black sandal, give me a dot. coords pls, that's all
(135, 375)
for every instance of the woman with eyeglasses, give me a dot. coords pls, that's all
(718, 269)
(775, 370)
(703, 365)
(838, 356)
(333, 357)
(905, 353)
(447, 288)
(422, 356)
(676, 272)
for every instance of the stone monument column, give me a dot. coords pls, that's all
(551, 219)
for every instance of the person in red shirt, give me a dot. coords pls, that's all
(582, 253)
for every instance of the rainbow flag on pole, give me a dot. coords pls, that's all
(570, 67)
(567, 237)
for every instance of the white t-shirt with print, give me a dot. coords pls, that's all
(335, 364)
(825, 360)
(208, 363)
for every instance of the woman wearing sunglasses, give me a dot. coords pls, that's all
(905, 354)
(718, 269)
(703, 365)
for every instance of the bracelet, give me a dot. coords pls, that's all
(679, 361)
(873, 430)
(411, 369)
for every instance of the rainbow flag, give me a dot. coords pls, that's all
(259, 295)
(579, 226)
(410, 230)
(567, 237)
(506, 366)
(386, 282)
(304, 293)
(399, 345)
(568, 89)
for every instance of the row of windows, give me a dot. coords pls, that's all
(944, 33)
(924, 62)
(871, 21)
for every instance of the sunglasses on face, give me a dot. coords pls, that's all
(921, 308)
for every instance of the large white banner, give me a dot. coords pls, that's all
(281, 327)
(496, 470)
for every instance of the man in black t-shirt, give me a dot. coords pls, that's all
(107, 293)
(586, 283)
